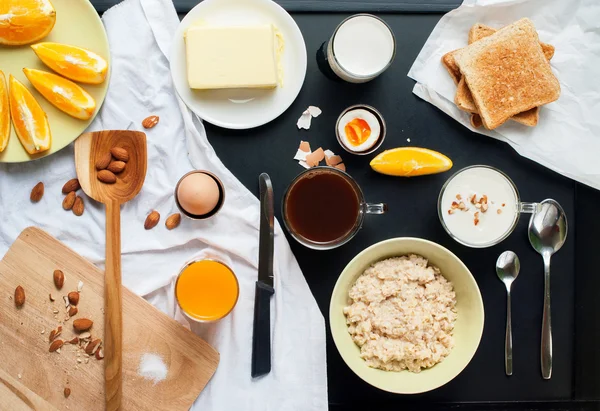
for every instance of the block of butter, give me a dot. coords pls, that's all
(231, 57)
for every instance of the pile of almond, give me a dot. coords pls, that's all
(86, 345)
(110, 164)
(72, 201)
(481, 204)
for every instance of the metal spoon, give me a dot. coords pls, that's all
(507, 268)
(547, 233)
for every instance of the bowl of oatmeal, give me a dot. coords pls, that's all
(406, 315)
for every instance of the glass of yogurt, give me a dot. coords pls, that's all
(361, 48)
(479, 206)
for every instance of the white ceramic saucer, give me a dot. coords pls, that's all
(242, 109)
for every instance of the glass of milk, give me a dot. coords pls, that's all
(479, 206)
(362, 47)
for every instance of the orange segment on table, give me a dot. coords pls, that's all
(4, 113)
(25, 21)
(73, 62)
(29, 119)
(62, 93)
(410, 162)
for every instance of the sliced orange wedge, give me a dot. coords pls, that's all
(30, 121)
(62, 93)
(410, 162)
(72, 62)
(4, 113)
(25, 21)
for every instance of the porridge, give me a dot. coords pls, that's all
(402, 314)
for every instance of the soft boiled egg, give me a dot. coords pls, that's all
(198, 193)
(359, 130)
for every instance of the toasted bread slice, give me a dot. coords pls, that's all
(450, 64)
(479, 31)
(507, 73)
(464, 99)
(476, 120)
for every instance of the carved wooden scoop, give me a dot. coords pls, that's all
(89, 147)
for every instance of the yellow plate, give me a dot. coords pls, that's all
(78, 24)
(467, 331)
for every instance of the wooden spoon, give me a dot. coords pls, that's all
(88, 148)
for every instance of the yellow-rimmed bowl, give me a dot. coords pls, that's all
(467, 332)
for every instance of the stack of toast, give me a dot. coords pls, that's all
(503, 74)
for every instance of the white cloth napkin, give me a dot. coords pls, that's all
(140, 33)
(567, 137)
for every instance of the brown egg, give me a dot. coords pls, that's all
(198, 193)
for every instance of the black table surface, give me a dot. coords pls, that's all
(575, 382)
(412, 212)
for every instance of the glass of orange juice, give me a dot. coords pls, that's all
(206, 290)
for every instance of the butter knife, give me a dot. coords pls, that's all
(261, 337)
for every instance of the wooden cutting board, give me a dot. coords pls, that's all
(33, 378)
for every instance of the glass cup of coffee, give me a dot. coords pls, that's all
(479, 206)
(361, 48)
(324, 208)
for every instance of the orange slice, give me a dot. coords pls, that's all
(4, 113)
(62, 93)
(30, 121)
(410, 162)
(72, 62)
(25, 21)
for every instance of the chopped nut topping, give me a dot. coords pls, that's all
(458, 197)
(484, 199)
(503, 204)
(499, 211)
(462, 206)
(473, 199)
(484, 207)
(454, 204)
(450, 211)
(478, 205)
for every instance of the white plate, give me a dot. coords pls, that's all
(239, 108)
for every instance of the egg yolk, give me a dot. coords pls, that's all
(357, 131)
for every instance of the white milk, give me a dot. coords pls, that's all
(493, 225)
(363, 45)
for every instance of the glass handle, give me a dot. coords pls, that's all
(379, 208)
(529, 208)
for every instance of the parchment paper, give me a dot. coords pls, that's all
(567, 137)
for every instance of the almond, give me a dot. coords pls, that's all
(56, 344)
(173, 221)
(103, 161)
(37, 193)
(73, 297)
(99, 354)
(78, 206)
(75, 340)
(72, 311)
(120, 154)
(69, 200)
(152, 220)
(85, 335)
(19, 296)
(150, 122)
(107, 177)
(116, 167)
(71, 185)
(55, 333)
(59, 279)
(82, 324)
(67, 392)
(92, 347)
